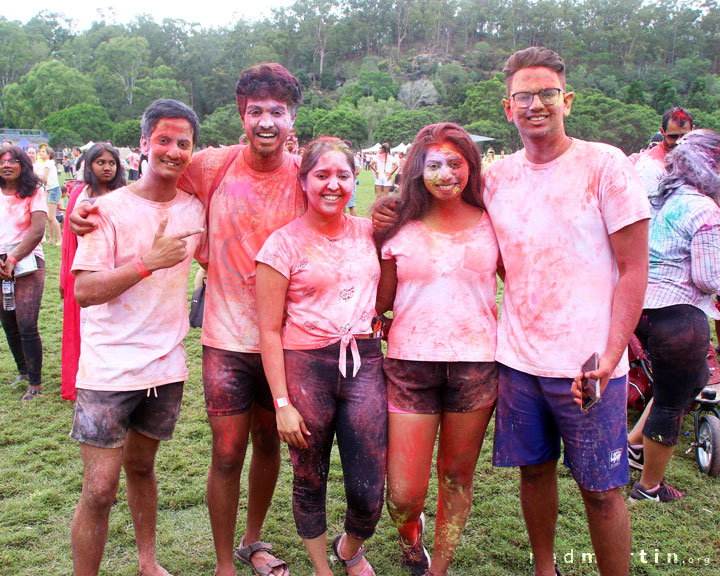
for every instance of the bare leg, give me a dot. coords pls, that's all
(101, 474)
(539, 498)
(635, 436)
(461, 438)
(229, 443)
(657, 458)
(411, 440)
(378, 192)
(139, 464)
(317, 550)
(264, 470)
(53, 224)
(349, 547)
(609, 531)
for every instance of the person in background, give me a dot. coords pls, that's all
(684, 275)
(47, 171)
(383, 165)
(23, 213)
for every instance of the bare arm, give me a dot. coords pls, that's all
(93, 288)
(387, 286)
(27, 244)
(271, 293)
(630, 246)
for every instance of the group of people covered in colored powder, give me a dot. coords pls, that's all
(296, 298)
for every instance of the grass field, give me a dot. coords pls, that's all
(40, 480)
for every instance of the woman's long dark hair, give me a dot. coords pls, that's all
(89, 176)
(29, 182)
(415, 200)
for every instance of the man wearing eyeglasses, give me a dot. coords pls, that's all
(650, 164)
(571, 219)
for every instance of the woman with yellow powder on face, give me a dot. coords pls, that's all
(438, 265)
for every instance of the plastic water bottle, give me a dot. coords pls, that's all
(8, 293)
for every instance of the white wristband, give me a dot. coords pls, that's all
(281, 402)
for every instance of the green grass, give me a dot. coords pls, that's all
(41, 475)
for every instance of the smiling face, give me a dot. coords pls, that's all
(169, 148)
(42, 154)
(104, 168)
(329, 184)
(446, 172)
(538, 122)
(267, 123)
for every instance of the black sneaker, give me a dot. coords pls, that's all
(636, 457)
(662, 493)
(414, 557)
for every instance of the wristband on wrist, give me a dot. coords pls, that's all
(140, 267)
(12, 259)
(281, 402)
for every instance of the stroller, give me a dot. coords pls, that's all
(706, 417)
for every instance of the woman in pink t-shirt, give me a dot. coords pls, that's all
(22, 224)
(316, 289)
(102, 175)
(438, 265)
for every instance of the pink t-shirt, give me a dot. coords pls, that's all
(246, 207)
(134, 342)
(445, 307)
(553, 223)
(16, 219)
(333, 283)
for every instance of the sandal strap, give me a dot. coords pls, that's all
(258, 546)
(351, 561)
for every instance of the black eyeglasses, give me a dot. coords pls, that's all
(548, 96)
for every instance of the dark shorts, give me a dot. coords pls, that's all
(677, 340)
(233, 381)
(102, 418)
(534, 413)
(418, 387)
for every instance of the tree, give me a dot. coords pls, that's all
(404, 125)
(375, 112)
(418, 93)
(124, 58)
(89, 121)
(634, 94)
(343, 123)
(484, 101)
(221, 128)
(46, 88)
(665, 97)
(127, 133)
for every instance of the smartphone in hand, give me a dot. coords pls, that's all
(590, 386)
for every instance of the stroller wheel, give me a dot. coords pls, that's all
(708, 449)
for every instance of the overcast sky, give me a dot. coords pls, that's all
(208, 13)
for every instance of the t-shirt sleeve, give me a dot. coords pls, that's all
(623, 200)
(202, 172)
(38, 202)
(96, 250)
(276, 253)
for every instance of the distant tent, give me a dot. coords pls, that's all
(86, 147)
(476, 138)
(374, 150)
(24, 143)
(401, 148)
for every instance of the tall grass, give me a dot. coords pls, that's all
(41, 475)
